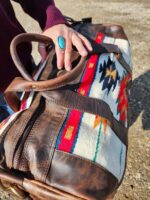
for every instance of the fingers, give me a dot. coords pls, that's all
(42, 51)
(60, 56)
(68, 51)
(86, 42)
(77, 42)
(64, 57)
(71, 38)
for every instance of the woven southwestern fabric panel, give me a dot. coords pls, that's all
(90, 136)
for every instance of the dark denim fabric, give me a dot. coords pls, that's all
(5, 110)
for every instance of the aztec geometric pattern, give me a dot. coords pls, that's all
(90, 136)
(109, 75)
(122, 99)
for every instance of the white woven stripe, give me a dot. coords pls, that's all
(125, 49)
(109, 40)
(112, 153)
(86, 142)
(123, 45)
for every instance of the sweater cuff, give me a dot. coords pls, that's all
(54, 17)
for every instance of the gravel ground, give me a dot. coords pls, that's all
(134, 16)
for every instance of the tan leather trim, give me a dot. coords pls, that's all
(10, 178)
(110, 30)
(15, 133)
(36, 189)
(45, 192)
(38, 149)
(80, 177)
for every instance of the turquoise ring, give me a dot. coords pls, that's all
(61, 42)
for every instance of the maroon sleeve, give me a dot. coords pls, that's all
(44, 11)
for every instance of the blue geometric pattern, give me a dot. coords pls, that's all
(109, 75)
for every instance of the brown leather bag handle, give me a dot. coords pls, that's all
(29, 84)
(24, 37)
(56, 82)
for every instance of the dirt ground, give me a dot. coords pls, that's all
(134, 16)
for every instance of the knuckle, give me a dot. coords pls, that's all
(68, 50)
(84, 53)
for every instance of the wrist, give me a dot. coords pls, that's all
(54, 17)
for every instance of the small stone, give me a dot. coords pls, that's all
(138, 176)
(132, 187)
(126, 196)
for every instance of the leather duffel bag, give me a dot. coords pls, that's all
(68, 136)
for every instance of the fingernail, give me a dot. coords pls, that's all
(68, 68)
(91, 48)
(84, 53)
(59, 67)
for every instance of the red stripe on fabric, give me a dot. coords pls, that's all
(23, 106)
(71, 128)
(24, 101)
(90, 70)
(4, 122)
(69, 131)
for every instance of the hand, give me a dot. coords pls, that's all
(71, 38)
